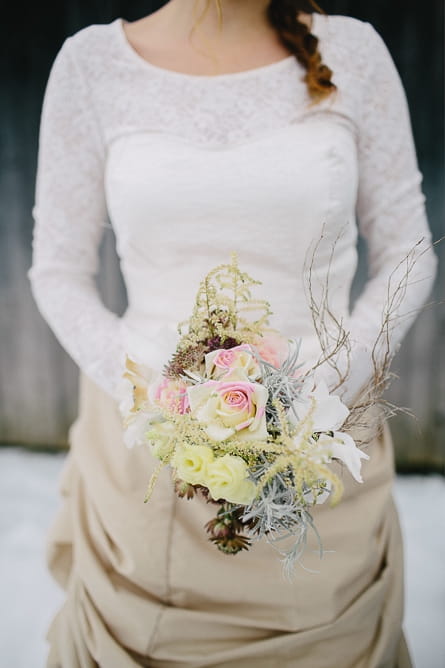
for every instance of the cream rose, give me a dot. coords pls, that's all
(191, 463)
(218, 363)
(229, 407)
(227, 478)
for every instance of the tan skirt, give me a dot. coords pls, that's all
(146, 588)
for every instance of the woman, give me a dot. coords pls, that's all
(198, 141)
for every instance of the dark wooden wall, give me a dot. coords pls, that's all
(38, 382)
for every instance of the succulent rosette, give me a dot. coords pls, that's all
(239, 423)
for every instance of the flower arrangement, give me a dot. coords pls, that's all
(239, 421)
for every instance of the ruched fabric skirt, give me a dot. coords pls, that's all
(145, 587)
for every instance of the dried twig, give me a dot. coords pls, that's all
(369, 408)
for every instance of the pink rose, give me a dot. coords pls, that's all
(172, 395)
(273, 349)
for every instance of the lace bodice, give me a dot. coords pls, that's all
(191, 167)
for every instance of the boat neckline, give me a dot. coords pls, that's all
(253, 71)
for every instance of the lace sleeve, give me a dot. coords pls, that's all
(69, 213)
(391, 216)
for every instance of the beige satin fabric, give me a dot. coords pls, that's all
(146, 588)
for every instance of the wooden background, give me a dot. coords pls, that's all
(38, 382)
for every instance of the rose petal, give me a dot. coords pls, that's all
(218, 433)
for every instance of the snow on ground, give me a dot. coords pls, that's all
(29, 597)
(421, 504)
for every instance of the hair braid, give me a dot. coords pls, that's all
(283, 15)
(296, 36)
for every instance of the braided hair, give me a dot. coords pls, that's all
(294, 34)
(297, 38)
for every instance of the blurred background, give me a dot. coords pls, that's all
(38, 381)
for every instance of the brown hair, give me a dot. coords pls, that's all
(295, 35)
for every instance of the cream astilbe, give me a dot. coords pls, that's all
(223, 299)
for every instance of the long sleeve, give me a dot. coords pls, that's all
(70, 214)
(391, 216)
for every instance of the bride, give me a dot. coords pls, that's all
(210, 126)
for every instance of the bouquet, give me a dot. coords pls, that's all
(240, 421)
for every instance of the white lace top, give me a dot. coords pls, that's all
(190, 167)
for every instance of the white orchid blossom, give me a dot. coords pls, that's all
(327, 411)
(342, 446)
(135, 422)
(135, 427)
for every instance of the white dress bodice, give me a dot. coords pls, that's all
(190, 168)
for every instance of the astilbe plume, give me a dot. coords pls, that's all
(223, 299)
